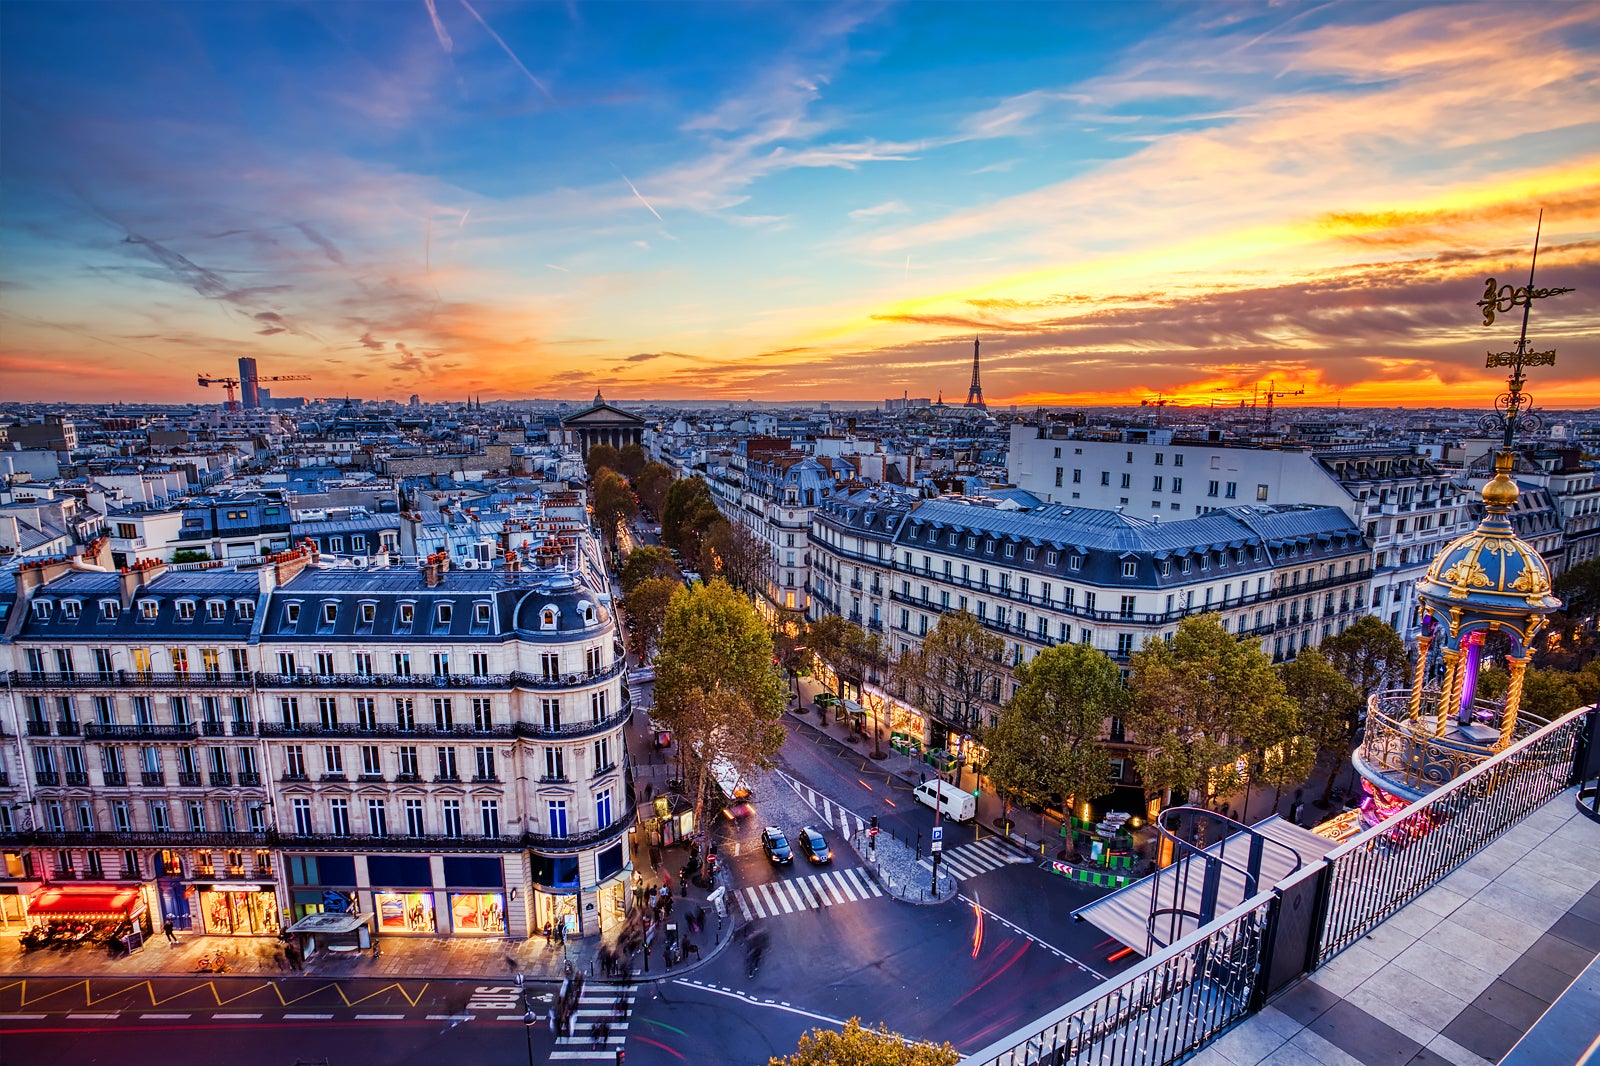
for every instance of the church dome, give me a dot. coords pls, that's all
(1490, 575)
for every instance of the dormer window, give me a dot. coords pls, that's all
(69, 610)
(368, 612)
(441, 614)
(216, 610)
(587, 612)
(108, 610)
(1011, 551)
(480, 614)
(1030, 554)
(330, 612)
(245, 609)
(406, 615)
(1075, 563)
(186, 610)
(41, 610)
(147, 610)
(1050, 558)
(291, 614)
(1130, 568)
(547, 617)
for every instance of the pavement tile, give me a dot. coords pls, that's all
(1348, 969)
(1509, 899)
(1510, 1004)
(1441, 900)
(1560, 955)
(1428, 1058)
(1454, 1053)
(1363, 1037)
(1319, 1050)
(1305, 1002)
(1440, 968)
(1532, 881)
(1416, 920)
(1469, 946)
(1387, 940)
(1578, 930)
(1537, 978)
(1248, 1044)
(1482, 1033)
(1415, 1006)
(1503, 929)
(1277, 1021)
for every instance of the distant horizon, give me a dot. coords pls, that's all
(1120, 202)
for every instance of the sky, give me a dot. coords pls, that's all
(1123, 201)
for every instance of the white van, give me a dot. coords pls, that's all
(957, 805)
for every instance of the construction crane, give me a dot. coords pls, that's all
(1159, 403)
(1270, 394)
(230, 384)
(1273, 394)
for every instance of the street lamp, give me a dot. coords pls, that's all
(527, 1030)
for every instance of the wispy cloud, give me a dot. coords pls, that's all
(537, 84)
(888, 207)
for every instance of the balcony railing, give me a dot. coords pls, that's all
(153, 778)
(221, 778)
(142, 731)
(48, 778)
(127, 679)
(114, 779)
(66, 727)
(75, 778)
(516, 679)
(1413, 753)
(249, 779)
(188, 779)
(428, 730)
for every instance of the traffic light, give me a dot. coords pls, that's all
(874, 821)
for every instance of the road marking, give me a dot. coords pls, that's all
(307, 1017)
(449, 1017)
(27, 1017)
(397, 1017)
(1015, 928)
(170, 1016)
(96, 1016)
(757, 1002)
(234, 1017)
(978, 857)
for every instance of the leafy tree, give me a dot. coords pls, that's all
(1330, 706)
(651, 484)
(856, 1045)
(1546, 694)
(732, 551)
(630, 460)
(954, 672)
(1370, 654)
(646, 604)
(826, 637)
(646, 562)
(1200, 704)
(688, 510)
(716, 686)
(601, 457)
(1047, 742)
(613, 502)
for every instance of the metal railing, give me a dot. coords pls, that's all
(1159, 1012)
(515, 679)
(1185, 995)
(1407, 749)
(127, 679)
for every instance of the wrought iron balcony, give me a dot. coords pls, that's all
(66, 727)
(220, 779)
(76, 779)
(78, 679)
(501, 682)
(427, 730)
(188, 779)
(249, 779)
(141, 731)
(153, 779)
(37, 728)
(115, 779)
(47, 778)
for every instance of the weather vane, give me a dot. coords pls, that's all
(1514, 407)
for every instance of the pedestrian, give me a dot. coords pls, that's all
(293, 952)
(601, 1033)
(547, 931)
(166, 927)
(550, 1018)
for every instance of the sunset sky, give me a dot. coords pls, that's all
(807, 201)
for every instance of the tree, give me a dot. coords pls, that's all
(1546, 694)
(716, 686)
(646, 604)
(651, 484)
(826, 637)
(646, 562)
(689, 508)
(630, 460)
(600, 457)
(733, 551)
(613, 502)
(857, 1045)
(1047, 742)
(1370, 654)
(1200, 704)
(954, 672)
(1330, 707)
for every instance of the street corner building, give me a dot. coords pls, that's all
(437, 749)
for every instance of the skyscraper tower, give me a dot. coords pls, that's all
(248, 385)
(975, 393)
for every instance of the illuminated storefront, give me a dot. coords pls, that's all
(483, 913)
(405, 912)
(238, 910)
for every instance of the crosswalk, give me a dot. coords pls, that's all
(596, 1003)
(849, 823)
(979, 857)
(806, 893)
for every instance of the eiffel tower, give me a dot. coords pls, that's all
(975, 393)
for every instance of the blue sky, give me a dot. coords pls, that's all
(817, 201)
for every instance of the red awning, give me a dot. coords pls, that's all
(84, 902)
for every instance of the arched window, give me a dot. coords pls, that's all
(547, 617)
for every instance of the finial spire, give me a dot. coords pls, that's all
(1514, 406)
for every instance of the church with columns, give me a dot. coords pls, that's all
(601, 423)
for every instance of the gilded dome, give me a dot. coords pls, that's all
(1490, 573)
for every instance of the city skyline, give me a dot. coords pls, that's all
(716, 203)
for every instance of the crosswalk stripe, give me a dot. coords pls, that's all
(843, 886)
(775, 899)
(863, 885)
(743, 905)
(813, 894)
(754, 895)
(835, 886)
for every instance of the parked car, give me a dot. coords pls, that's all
(776, 845)
(815, 845)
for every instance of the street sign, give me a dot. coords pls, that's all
(872, 832)
(938, 832)
(937, 845)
